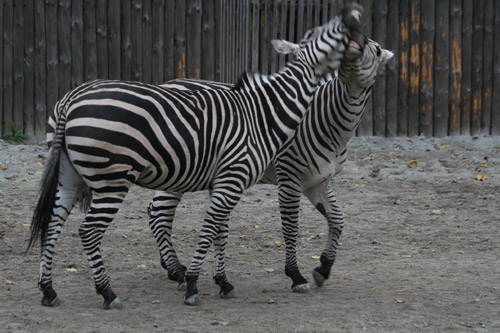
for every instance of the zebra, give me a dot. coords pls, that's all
(104, 136)
(304, 165)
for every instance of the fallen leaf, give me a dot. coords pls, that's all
(368, 158)
(24, 180)
(279, 243)
(484, 165)
(142, 266)
(392, 152)
(25, 162)
(397, 301)
(15, 187)
(41, 163)
(5, 168)
(355, 169)
(481, 177)
(71, 269)
(26, 224)
(436, 211)
(441, 147)
(10, 282)
(413, 164)
(457, 154)
(255, 226)
(315, 257)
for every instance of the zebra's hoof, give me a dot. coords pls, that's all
(302, 288)
(182, 286)
(115, 304)
(51, 302)
(192, 300)
(318, 278)
(230, 294)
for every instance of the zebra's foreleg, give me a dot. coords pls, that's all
(289, 198)
(161, 213)
(222, 202)
(323, 198)
(70, 186)
(226, 288)
(102, 210)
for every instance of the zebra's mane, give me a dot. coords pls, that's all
(245, 80)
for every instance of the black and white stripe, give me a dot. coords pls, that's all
(304, 165)
(108, 135)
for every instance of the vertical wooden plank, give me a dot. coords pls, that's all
(300, 20)
(441, 69)
(29, 67)
(456, 67)
(283, 30)
(336, 6)
(324, 11)
(218, 32)
(317, 11)
(403, 71)
(415, 69)
(427, 72)
(366, 124)
(52, 85)
(466, 90)
(114, 38)
(169, 36)
(89, 41)
(102, 39)
(379, 100)
(1, 67)
(487, 76)
(136, 38)
(76, 43)
(40, 70)
(392, 69)
(265, 40)
(18, 98)
(64, 46)
(8, 50)
(180, 39)
(126, 39)
(147, 41)
(309, 15)
(158, 28)
(207, 40)
(495, 112)
(193, 18)
(255, 35)
(274, 34)
(477, 66)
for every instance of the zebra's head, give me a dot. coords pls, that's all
(322, 48)
(362, 72)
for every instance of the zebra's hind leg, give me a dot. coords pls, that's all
(103, 209)
(70, 186)
(289, 198)
(226, 288)
(161, 213)
(323, 198)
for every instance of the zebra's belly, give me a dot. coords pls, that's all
(312, 177)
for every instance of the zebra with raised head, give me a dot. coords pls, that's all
(304, 165)
(106, 136)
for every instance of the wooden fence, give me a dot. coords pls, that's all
(444, 79)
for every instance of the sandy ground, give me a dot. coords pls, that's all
(419, 251)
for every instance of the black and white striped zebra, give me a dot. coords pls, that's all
(108, 135)
(304, 165)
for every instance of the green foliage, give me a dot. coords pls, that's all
(15, 135)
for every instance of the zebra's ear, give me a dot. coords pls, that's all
(285, 47)
(386, 55)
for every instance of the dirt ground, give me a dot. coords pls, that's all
(419, 251)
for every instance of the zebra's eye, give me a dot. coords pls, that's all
(379, 51)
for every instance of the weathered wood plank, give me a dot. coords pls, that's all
(29, 67)
(89, 41)
(147, 42)
(8, 61)
(40, 70)
(379, 99)
(427, 71)
(18, 98)
(403, 70)
(414, 70)
(169, 37)
(300, 20)
(1, 66)
(265, 39)
(274, 34)
(207, 40)
(477, 66)
(136, 38)
(126, 39)
(466, 90)
(180, 40)
(487, 75)
(64, 46)
(308, 24)
(218, 31)
(193, 18)
(52, 57)
(495, 112)
(283, 31)
(102, 39)
(255, 35)
(291, 25)
(456, 67)
(366, 125)
(441, 69)
(114, 38)
(391, 89)
(158, 28)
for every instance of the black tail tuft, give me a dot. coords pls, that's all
(46, 198)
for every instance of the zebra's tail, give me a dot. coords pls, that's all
(48, 187)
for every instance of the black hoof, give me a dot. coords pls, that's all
(114, 304)
(111, 301)
(192, 300)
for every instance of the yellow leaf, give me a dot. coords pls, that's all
(481, 177)
(24, 180)
(71, 269)
(315, 257)
(441, 147)
(484, 165)
(26, 225)
(367, 158)
(10, 282)
(413, 164)
(355, 169)
(41, 163)
(25, 162)
(392, 152)
(279, 243)
(5, 168)
(255, 226)
(436, 211)
(142, 266)
(15, 187)
(397, 301)
(457, 154)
